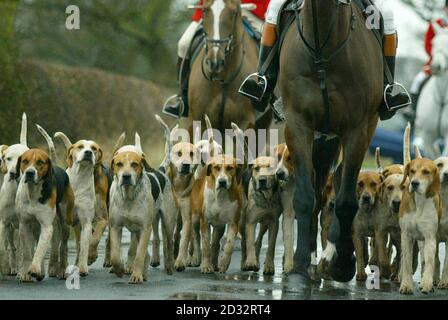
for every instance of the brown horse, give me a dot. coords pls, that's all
(354, 80)
(228, 56)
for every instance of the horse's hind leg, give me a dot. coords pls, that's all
(303, 201)
(355, 145)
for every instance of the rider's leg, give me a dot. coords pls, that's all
(390, 42)
(179, 107)
(260, 89)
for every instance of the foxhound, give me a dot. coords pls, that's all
(420, 212)
(44, 197)
(264, 207)
(90, 180)
(218, 202)
(368, 191)
(9, 219)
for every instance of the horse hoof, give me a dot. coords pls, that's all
(343, 270)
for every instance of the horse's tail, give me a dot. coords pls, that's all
(50, 143)
(64, 138)
(119, 143)
(406, 145)
(23, 131)
(379, 167)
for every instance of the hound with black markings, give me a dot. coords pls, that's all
(44, 195)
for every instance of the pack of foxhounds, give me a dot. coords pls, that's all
(201, 200)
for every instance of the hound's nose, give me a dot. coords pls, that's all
(366, 198)
(280, 175)
(29, 176)
(12, 175)
(127, 178)
(415, 185)
(263, 181)
(396, 204)
(185, 168)
(445, 177)
(88, 153)
(222, 183)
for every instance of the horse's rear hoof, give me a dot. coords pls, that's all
(343, 269)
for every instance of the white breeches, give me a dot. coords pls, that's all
(388, 16)
(418, 81)
(184, 43)
(383, 5)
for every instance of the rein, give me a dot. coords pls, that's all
(321, 62)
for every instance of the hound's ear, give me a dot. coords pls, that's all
(70, 157)
(112, 165)
(405, 174)
(434, 188)
(47, 185)
(381, 192)
(100, 155)
(208, 168)
(3, 168)
(146, 165)
(18, 164)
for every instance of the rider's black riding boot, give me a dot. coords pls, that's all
(393, 102)
(177, 106)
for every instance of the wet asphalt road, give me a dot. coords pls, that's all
(191, 284)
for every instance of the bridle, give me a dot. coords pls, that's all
(230, 45)
(316, 53)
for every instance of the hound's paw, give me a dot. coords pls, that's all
(169, 269)
(252, 266)
(83, 271)
(12, 272)
(155, 262)
(179, 265)
(136, 278)
(323, 269)
(93, 255)
(269, 269)
(36, 272)
(106, 263)
(207, 269)
(194, 261)
(394, 278)
(62, 275)
(53, 270)
(288, 267)
(426, 287)
(24, 277)
(406, 289)
(222, 269)
(443, 284)
(128, 269)
(361, 276)
(118, 269)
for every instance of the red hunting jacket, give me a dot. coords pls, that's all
(262, 6)
(430, 34)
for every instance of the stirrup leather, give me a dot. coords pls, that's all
(403, 90)
(175, 100)
(259, 80)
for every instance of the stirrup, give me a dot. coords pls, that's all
(403, 89)
(176, 100)
(258, 79)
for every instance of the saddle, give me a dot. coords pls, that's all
(198, 39)
(288, 15)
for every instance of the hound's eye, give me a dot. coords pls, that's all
(81, 147)
(412, 171)
(25, 162)
(390, 188)
(440, 165)
(373, 185)
(120, 164)
(257, 169)
(8, 159)
(360, 184)
(134, 165)
(425, 172)
(217, 168)
(402, 187)
(39, 162)
(94, 149)
(179, 154)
